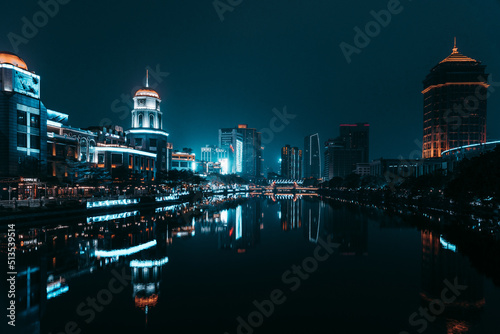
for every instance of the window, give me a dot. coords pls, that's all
(100, 158)
(184, 164)
(152, 143)
(175, 163)
(151, 121)
(35, 121)
(22, 140)
(157, 105)
(21, 117)
(116, 158)
(140, 120)
(35, 142)
(159, 122)
(138, 141)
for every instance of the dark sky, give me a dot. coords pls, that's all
(264, 55)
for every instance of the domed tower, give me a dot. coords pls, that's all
(147, 113)
(147, 132)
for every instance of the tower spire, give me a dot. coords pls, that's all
(455, 49)
(147, 78)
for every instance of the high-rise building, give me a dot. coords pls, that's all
(23, 120)
(244, 149)
(212, 153)
(291, 162)
(312, 157)
(344, 152)
(455, 93)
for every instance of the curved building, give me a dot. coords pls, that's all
(455, 96)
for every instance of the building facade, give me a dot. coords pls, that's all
(291, 162)
(23, 120)
(344, 152)
(455, 103)
(146, 132)
(312, 157)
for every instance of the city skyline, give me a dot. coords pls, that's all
(187, 92)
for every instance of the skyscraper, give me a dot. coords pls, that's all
(455, 93)
(344, 152)
(312, 157)
(243, 145)
(291, 162)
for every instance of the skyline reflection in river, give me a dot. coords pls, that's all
(191, 270)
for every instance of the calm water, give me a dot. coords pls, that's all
(248, 267)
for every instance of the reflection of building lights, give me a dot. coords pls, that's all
(223, 217)
(126, 251)
(97, 219)
(447, 245)
(98, 204)
(148, 263)
(239, 231)
(57, 292)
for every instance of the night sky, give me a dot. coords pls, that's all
(264, 55)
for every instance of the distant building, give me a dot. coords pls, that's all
(455, 101)
(184, 161)
(391, 168)
(362, 169)
(312, 157)
(344, 152)
(212, 153)
(243, 145)
(291, 162)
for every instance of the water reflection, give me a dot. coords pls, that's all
(52, 257)
(441, 262)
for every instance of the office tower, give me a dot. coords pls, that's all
(344, 152)
(312, 157)
(291, 162)
(455, 103)
(243, 145)
(212, 153)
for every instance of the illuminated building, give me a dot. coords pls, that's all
(65, 143)
(291, 162)
(344, 152)
(23, 120)
(455, 101)
(232, 141)
(146, 132)
(212, 153)
(312, 157)
(183, 161)
(243, 145)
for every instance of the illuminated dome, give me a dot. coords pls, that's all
(10, 58)
(146, 91)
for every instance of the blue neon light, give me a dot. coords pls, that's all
(126, 251)
(148, 263)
